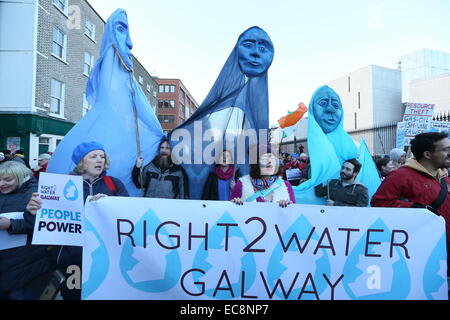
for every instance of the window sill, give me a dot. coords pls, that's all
(55, 115)
(58, 58)
(92, 39)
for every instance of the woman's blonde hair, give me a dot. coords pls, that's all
(80, 169)
(16, 169)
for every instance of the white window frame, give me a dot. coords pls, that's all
(141, 80)
(64, 3)
(86, 106)
(149, 88)
(89, 65)
(89, 29)
(63, 45)
(60, 98)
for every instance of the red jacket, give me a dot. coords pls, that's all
(411, 184)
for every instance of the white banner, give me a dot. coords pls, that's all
(61, 219)
(8, 241)
(177, 250)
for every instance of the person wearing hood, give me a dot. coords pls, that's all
(19, 267)
(92, 164)
(422, 181)
(398, 157)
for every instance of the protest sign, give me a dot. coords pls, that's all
(8, 241)
(61, 219)
(440, 126)
(418, 117)
(157, 249)
(400, 141)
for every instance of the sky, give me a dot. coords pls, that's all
(315, 41)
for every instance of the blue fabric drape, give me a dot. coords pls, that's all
(235, 102)
(111, 121)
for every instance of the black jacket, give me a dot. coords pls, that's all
(19, 266)
(354, 195)
(211, 188)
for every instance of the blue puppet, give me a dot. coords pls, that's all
(121, 113)
(237, 101)
(330, 147)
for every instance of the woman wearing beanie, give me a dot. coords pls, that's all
(398, 156)
(264, 183)
(91, 162)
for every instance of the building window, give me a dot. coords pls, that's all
(59, 43)
(167, 89)
(89, 29)
(155, 94)
(356, 120)
(161, 89)
(349, 84)
(180, 120)
(359, 100)
(62, 5)
(172, 89)
(172, 104)
(44, 145)
(57, 97)
(88, 63)
(149, 88)
(183, 110)
(160, 103)
(166, 104)
(141, 80)
(86, 106)
(171, 119)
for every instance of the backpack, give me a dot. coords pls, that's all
(110, 184)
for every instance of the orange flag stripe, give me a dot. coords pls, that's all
(293, 118)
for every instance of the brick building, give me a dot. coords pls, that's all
(175, 103)
(47, 50)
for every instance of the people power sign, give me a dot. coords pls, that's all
(181, 250)
(417, 119)
(61, 219)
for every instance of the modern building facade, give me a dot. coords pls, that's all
(47, 50)
(433, 90)
(175, 103)
(370, 96)
(421, 64)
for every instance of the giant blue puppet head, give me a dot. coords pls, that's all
(117, 101)
(238, 100)
(255, 52)
(327, 109)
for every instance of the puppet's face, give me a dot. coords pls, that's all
(327, 110)
(123, 40)
(255, 52)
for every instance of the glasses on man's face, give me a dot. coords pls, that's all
(446, 150)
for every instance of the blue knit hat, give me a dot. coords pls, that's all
(83, 149)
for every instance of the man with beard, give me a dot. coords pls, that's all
(161, 178)
(345, 192)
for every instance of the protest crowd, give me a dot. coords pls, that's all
(415, 180)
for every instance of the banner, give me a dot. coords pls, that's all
(8, 241)
(157, 249)
(401, 131)
(61, 219)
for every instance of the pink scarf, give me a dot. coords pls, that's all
(227, 175)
